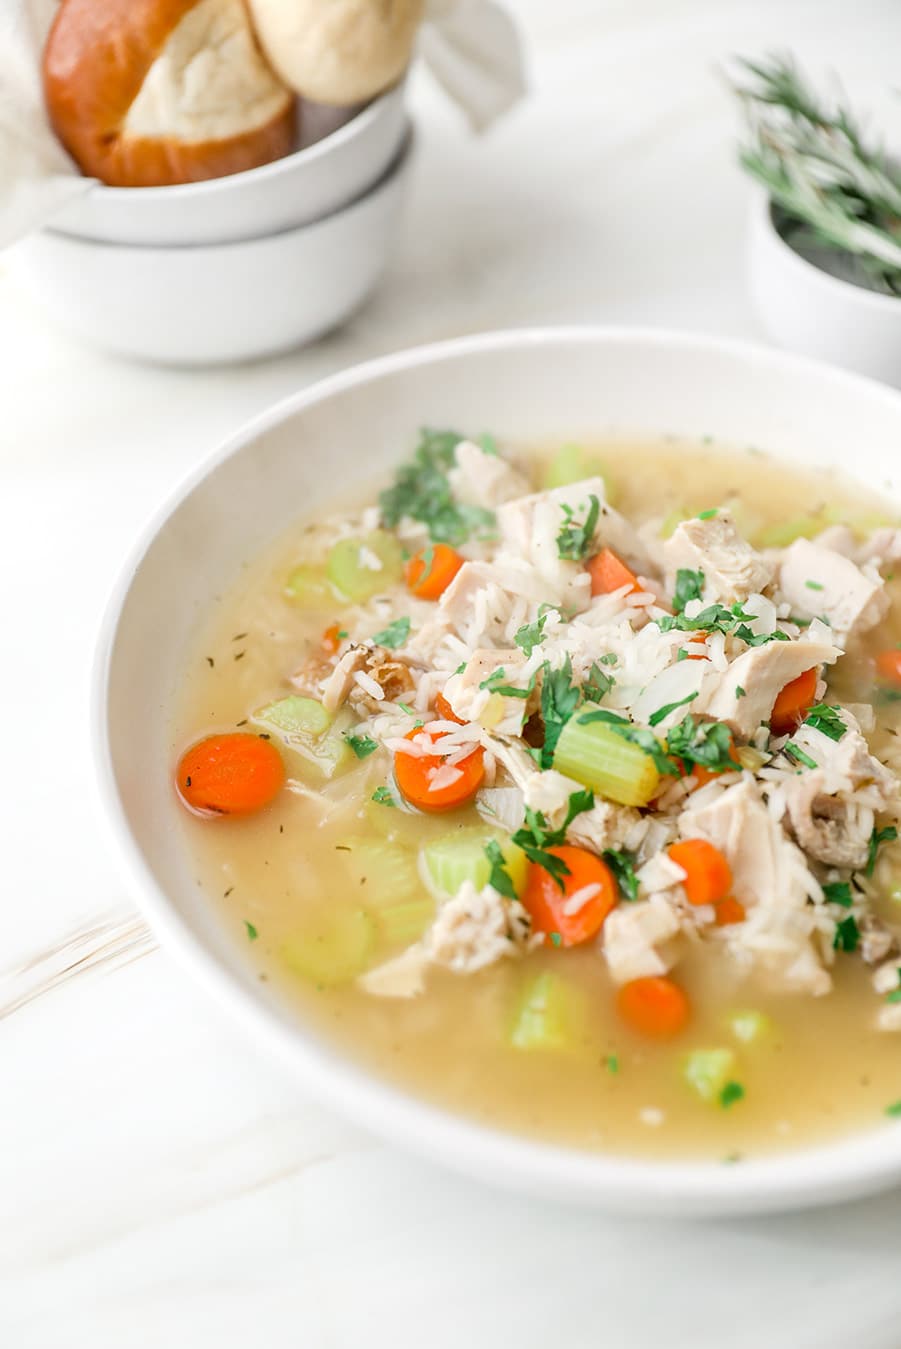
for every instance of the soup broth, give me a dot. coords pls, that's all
(801, 1068)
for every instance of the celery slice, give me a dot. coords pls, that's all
(403, 924)
(309, 587)
(572, 464)
(551, 1015)
(784, 532)
(595, 755)
(707, 1071)
(349, 574)
(459, 856)
(387, 879)
(670, 522)
(332, 945)
(749, 1025)
(304, 726)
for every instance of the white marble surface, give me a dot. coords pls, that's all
(159, 1182)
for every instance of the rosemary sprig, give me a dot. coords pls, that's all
(835, 190)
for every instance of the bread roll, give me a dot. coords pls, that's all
(148, 92)
(338, 51)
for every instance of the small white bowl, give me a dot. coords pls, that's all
(809, 310)
(222, 303)
(296, 190)
(528, 386)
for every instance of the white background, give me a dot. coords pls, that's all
(160, 1184)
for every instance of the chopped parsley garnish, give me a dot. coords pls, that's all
(894, 996)
(405, 707)
(663, 712)
(732, 1092)
(422, 491)
(556, 939)
(795, 754)
(838, 892)
(611, 1063)
(715, 618)
(575, 541)
(877, 838)
(597, 684)
(708, 515)
(362, 745)
(494, 683)
(824, 718)
(759, 638)
(689, 585)
(427, 558)
(535, 836)
(609, 659)
(847, 934)
(461, 667)
(342, 633)
(394, 635)
(622, 864)
(739, 691)
(708, 743)
(894, 1109)
(252, 933)
(559, 700)
(530, 635)
(382, 796)
(814, 585)
(499, 879)
(636, 735)
(488, 445)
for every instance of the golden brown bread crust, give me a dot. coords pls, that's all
(96, 58)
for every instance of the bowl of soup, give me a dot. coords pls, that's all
(506, 732)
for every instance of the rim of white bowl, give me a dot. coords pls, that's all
(357, 124)
(860, 1163)
(396, 169)
(873, 299)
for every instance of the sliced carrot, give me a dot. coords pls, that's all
(608, 573)
(888, 663)
(708, 876)
(430, 572)
(790, 707)
(547, 903)
(655, 1005)
(331, 638)
(444, 710)
(729, 910)
(698, 638)
(233, 774)
(415, 774)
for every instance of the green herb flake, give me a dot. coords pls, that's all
(530, 635)
(622, 864)
(877, 838)
(488, 445)
(536, 837)
(427, 558)
(822, 717)
(576, 541)
(714, 510)
(708, 743)
(795, 754)
(494, 685)
(422, 491)
(499, 878)
(609, 659)
(731, 1092)
(894, 996)
(814, 585)
(382, 797)
(838, 892)
(556, 939)
(894, 1110)
(597, 685)
(362, 745)
(252, 933)
(394, 635)
(663, 712)
(342, 633)
(559, 700)
(611, 1063)
(405, 707)
(689, 586)
(847, 935)
(740, 692)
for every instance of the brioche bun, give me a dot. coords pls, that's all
(338, 51)
(145, 93)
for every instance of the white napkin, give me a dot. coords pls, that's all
(471, 46)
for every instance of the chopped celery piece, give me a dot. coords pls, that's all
(387, 879)
(572, 464)
(594, 754)
(550, 1015)
(332, 945)
(784, 532)
(303, 725)
(749, 1026)
(459, 856)
(669, 522)
(309, 587)
(351, 565)
(381, 871)
(707, 1071)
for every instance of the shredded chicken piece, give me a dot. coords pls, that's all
(482, 479)
(819, 582)
(733, 571)
(639, 939)
(477, 928)
(745, 694)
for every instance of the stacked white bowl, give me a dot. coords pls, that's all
(233, 268)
